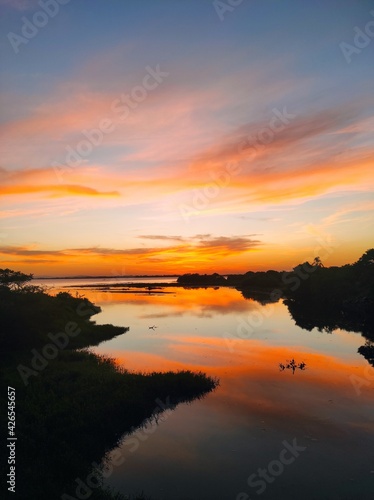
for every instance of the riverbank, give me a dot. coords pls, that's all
(72, 406)
(77, 409)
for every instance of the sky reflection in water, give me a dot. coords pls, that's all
(209, 448)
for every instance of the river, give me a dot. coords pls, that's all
(265, 432)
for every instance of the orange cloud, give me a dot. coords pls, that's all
(56, 191)
(201, 250)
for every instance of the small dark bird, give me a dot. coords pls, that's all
(152, 327)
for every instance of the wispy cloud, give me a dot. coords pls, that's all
(175, 144)
(299, 135)
(56, 191)
(360, 210)
(229, 244)
(161, 237)
(197, 250)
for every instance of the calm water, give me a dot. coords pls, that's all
(68, 282)
(209, 449)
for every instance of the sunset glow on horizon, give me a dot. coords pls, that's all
(161, 137)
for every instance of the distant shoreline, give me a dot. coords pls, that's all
(132, 276)
(153, 286)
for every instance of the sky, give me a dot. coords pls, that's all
(174, 136)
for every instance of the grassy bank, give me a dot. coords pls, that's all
(28, 319)
(74, 406)
(77, 409)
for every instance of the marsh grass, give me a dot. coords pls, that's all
(81, 404)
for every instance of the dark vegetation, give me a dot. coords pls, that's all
(261, 280)
(327, 298)
(266, 280)
(201, 280)
(27, 317)
(336, 297)
(292, 365)
(79, 405)
(367, 351)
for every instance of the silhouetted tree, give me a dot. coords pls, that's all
(317, 262)
(14, 280)
(335, 297)
(367, 259)
(367, 351)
